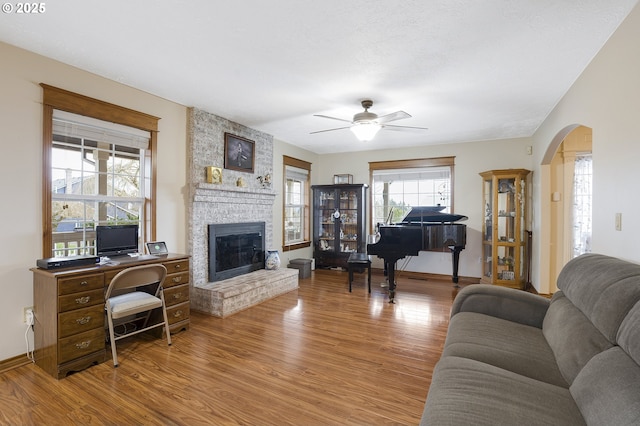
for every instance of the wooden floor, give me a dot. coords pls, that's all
(315, 356)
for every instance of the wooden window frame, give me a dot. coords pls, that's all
(410, 164)
(55, 98)
(305, 165)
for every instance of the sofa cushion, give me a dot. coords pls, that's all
(505, 344)
(469, 392)
(572, 337)
(607, 389)
(603, 288)
(629, 334)
(500, 302)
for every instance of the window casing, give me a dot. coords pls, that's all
(90, 180)
(396, 186)
(296, 211)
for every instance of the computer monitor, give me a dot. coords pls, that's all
(116, 240)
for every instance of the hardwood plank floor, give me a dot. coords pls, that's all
(315, 356)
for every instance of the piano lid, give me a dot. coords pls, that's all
(430, 214)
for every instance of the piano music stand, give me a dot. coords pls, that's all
(359, 260)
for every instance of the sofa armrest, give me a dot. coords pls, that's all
(500, 302)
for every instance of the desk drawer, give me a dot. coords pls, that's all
(176, 279)
(80, 300)
(78, 284)
(80, 344)
(176, 294)
(177, 313)
(80, 320)
(108, 276)
(177, 266)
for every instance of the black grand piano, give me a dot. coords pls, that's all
(424, 228)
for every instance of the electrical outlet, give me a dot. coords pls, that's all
(25, 313)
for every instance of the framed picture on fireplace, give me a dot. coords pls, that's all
(238, 153)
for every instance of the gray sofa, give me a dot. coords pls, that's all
(515, 358)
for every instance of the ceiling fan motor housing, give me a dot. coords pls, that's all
(366, 117)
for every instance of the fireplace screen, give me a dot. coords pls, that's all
(235, 249)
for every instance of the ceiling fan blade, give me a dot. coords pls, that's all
(332, 118)
(401, 128)
(398, 115)
(329, 130)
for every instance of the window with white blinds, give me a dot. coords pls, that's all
(97, 178)
(397, 186)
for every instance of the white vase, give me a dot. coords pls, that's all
(272, 261)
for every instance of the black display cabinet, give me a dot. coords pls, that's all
(339, 223)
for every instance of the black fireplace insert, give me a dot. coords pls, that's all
(235, 249)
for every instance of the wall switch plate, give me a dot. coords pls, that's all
(618, 221)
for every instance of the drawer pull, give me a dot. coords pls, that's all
(176, 279)
(83, 345)
(177, 295)
(83, 300)
(178, 266)
(85, 282)
(177, 314)
(83, 320)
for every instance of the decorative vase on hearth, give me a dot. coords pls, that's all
(273, 260)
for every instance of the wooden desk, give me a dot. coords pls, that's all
(69, 329)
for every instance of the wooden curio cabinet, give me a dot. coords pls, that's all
(504, 251)
(339, 223)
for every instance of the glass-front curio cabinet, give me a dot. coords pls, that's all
(339, 223)
(504, 251)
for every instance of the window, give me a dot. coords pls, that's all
(297, 175)
(582, 195)
(396, 186)
(97, 170)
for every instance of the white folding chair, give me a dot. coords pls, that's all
(125, 306)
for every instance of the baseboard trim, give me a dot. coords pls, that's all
(428, 276)
(15, 362)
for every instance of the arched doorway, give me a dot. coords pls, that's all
(561, 200)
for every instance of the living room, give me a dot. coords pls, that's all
(603, 98)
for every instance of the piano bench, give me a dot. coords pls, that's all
(358, 261)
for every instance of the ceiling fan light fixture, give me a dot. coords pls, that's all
(365, 131)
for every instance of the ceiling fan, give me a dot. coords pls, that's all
(366, 124)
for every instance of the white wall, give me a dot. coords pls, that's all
(604, 98)
(471, 158)
(21, 165)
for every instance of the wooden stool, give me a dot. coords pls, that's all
(359, 261)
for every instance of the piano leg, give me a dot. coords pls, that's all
(455, 257)
(391, 276)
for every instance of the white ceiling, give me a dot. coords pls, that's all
(466, 69)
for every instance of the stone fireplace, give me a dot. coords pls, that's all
(231, 201)
(239, 198)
